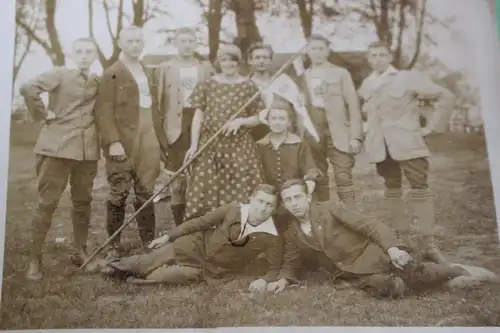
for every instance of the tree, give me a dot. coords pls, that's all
(246, 23)
(43, 30)
(23, 41)
(116, 17)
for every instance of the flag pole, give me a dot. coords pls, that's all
(188, 163)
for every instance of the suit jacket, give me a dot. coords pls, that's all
(352, 243)
(204, 242)
(343, 112)
(168, 93)
(117, 109)
(393, 117)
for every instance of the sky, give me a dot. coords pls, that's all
(72, 20)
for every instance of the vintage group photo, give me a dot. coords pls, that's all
(227, 163)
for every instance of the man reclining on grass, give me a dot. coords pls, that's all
(363, 251)
(212, 247)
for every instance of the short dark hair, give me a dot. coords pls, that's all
(266, 188)
(294, 182)
(378, 44)
(319, 38)
(259, 46)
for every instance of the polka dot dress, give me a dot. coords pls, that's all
(229, 170)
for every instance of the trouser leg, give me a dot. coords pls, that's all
(319, 152)
(343, 164)
(146, 220)
(120, 184)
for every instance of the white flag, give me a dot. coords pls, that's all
(298, 65)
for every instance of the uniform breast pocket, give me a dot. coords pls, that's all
(332, 87)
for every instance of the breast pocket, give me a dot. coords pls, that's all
(332, 86)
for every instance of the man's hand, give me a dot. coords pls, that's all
(277, 286)
(399, 258)
(50, 115)
(159, 242)
(257, 286)
(116, 152)
(355, 146)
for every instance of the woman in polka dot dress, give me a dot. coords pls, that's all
(229, 169)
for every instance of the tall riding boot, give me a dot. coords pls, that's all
(80, 217)
(423, 209)
(178, 213)
(40, 226)
(115, 218)
(146, 222)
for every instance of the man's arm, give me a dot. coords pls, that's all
(31, 91)
(423, 86)
(377, 231)
(352, 100)
(105, 109)
(274, 256)
(204, 222)
(292, 259)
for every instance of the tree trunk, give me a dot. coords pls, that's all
(57, 54)
(306, 16)
(214, 18)
(138, 7)
(420, 33)
(398, 53)
(246, 24)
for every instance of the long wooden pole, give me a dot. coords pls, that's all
(188, 163)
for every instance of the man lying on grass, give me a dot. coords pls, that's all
(365, 252)
(213, 247)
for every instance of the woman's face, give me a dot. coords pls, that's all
(318, 51)
(228, 65)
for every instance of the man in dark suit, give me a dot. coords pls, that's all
(124, 116)
(354, 248)
(213, 247)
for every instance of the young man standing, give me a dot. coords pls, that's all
(175, 81)
(124, 115)
(67, 147)
(212, 248)
(395, 139)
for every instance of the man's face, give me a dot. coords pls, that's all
(379, 59)
(296, 201)
(186, 44)
(262, 206)
(261, 60)
(84, 54)
(318, 51)
(278, 120)
(132, 43)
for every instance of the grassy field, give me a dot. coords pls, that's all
(465, 211)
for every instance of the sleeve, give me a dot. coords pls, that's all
(198, 98)
(377, 231)
(274, 256)
(105, 110)
(31, 91)
(257, 104)
(204, 222)
(307, 165)
(352, 99)
(158, 117)
(292, 259)
(423, 86)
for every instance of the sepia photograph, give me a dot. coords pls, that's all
(215, 163)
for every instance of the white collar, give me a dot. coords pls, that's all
(267, 226)
(72, 66)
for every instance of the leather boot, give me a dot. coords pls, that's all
(178, 213)
(115, 218)
(395, 216)
(347, 195)
(423, 209)
(146, 222)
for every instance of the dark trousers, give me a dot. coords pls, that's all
(120, 185)
(415, 170)
(343, 163)
(53, 174)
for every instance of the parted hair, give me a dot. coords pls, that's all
(259, 46)
(266, 188)
(376, 45)
(294, 182)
